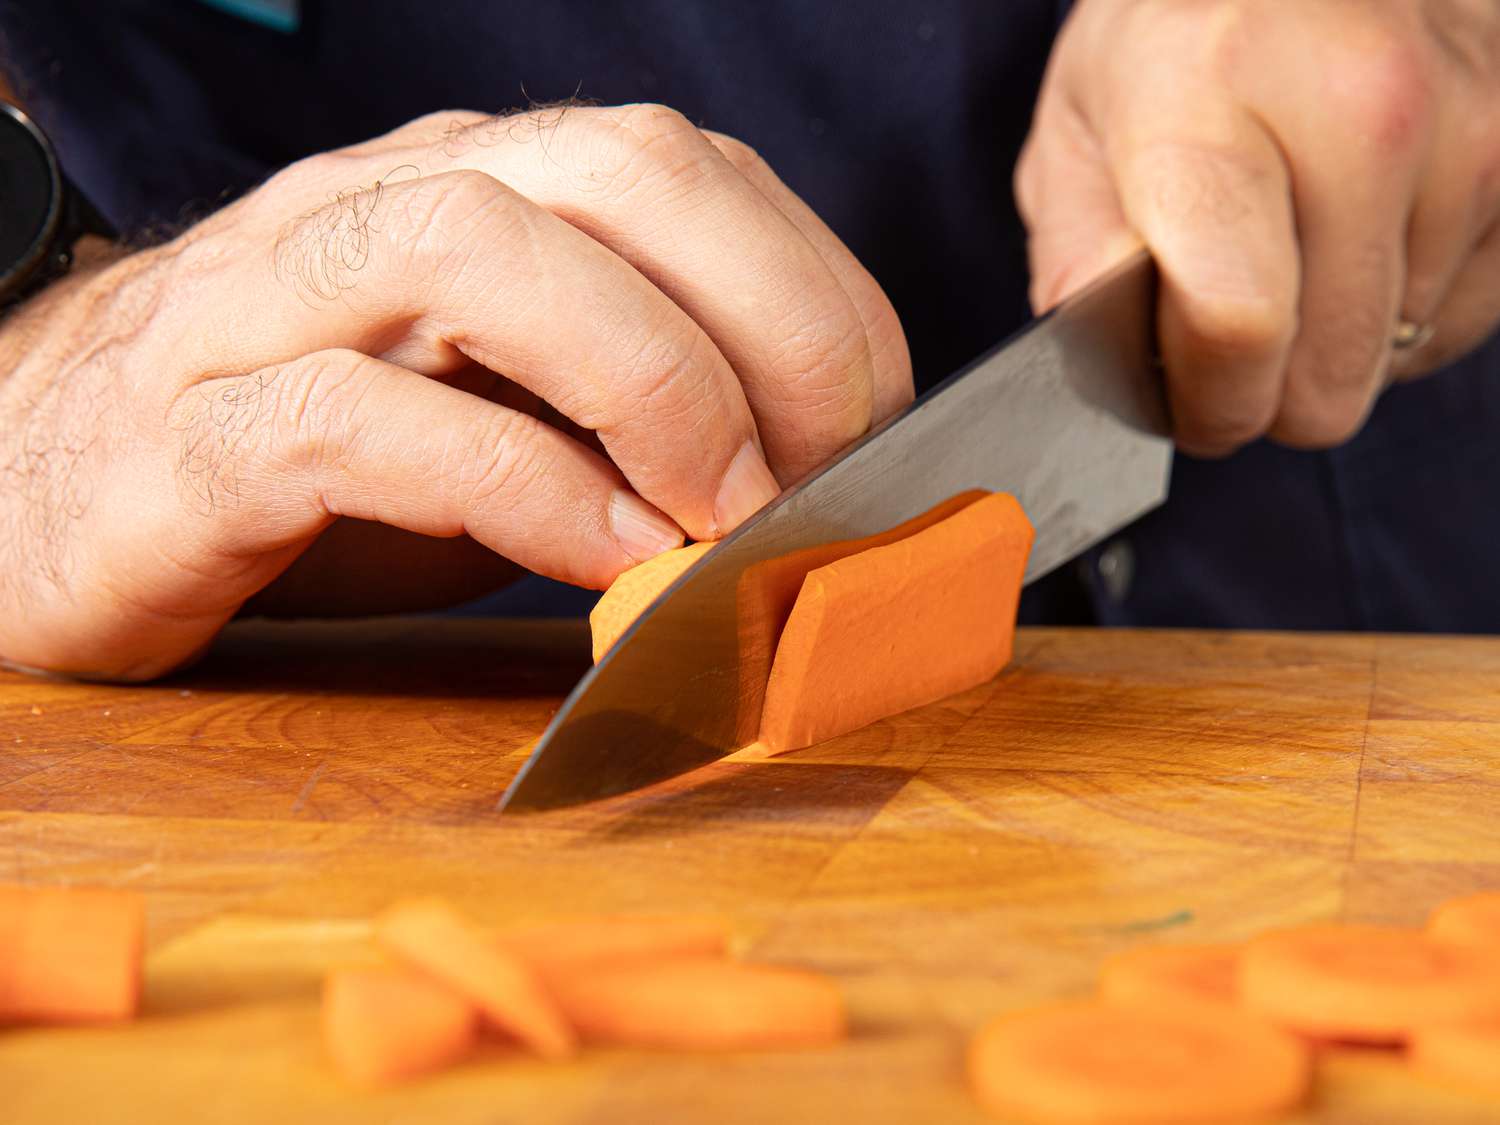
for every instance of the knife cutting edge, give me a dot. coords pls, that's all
(1068, 415)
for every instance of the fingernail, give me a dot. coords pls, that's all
(639, 528)
(748, 487)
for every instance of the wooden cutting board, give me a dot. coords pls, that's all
(986, 852)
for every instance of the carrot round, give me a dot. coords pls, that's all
(1367, 984)
(1172, 972)
(70, 954)
(634, 590)
(1472, 920)
(898, 626)
(1101, 1063)
(701, 1004)
(565, 945)
(1466, 1054)
(385, 1023)
(431, 935)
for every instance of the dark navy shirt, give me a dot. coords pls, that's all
(899, 121)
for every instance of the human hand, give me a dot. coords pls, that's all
(1307, 173)
(385, 333)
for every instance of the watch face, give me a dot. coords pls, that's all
(30, 197)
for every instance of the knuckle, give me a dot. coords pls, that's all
(647, 146)
(672, 381)
(737, 152)
(1378, 82)
(455, 199)
(1238, 327)
(504, 457)
(1319, 426)
(313, 406)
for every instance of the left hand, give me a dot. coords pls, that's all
(1307, 173)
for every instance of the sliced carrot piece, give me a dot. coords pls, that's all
(70, 954)
(1102, 1063)
(1366, 984)
(701, 1004)
(384, 1023)
(899, 626)
(1471, 920)
(1148, 974)
(431, 935)
(633, 591)
(1468, 1054)
(565, 945)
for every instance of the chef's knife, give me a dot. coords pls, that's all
(1067, 415)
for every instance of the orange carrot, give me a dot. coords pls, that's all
(701, 1003)
(1467, 1054)
(431, 935)
(1102, 1063)
(899, 626)
(1472, 920)
(384, 1023)
(70, 954)
(1151, 974)
(1368, 984)
(556, 948)
(630, 594)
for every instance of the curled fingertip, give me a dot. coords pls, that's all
(641, 531)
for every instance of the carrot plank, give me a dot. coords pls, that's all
(1366, 984)
(1105, 1063)
(630, 594)
(558, 947)
(1151, 974)
(1472, 920)
(899, 626)
(430, 935)
(701, 1004)
(70, 954)
(386, 1023)
(1465, 1054)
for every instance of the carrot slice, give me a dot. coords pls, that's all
(384, 1023)
(1102, 1063)
(701, 1004)
(899, 626)
(431, 935)
(1367, 984)
(630, 594)
(1468, 1054)
(556, 948)
(1202, 973)
(1472, 920)
(70, 954)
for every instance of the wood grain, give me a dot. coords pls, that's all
(1109, 788)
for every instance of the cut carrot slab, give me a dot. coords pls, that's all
(899, 626)
(1104, 1063)
(1472, 920)
(1466, 1054)
(70, 954)
(701, 1004)
(1151, 974)
(385, 1023)
(431, 935)
(631, 593)
(1366, 984)
(559, 947)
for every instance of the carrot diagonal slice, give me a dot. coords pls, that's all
(565, 945)
(1465, 1054)
(1472, 920)
(430, 935)
(701, 1004)
(70, 954)
(1202, 973)
(1366, 984)
(1105, 1063)
(385, 1023)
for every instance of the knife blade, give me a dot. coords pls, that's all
(1068, 415)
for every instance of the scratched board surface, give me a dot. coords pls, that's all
(954, 862)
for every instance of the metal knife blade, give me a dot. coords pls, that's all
(1068, 415)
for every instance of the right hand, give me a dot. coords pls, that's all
(351, 340)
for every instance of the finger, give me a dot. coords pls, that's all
(336, 433)
(645, 182)
(888, 349)
(1469, 314)
(459, 267)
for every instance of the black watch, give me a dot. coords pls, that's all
(42, 215)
